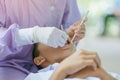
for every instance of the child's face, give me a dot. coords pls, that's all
(54, 55)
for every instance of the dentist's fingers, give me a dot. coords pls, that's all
(78, 37)
(61, 42)
(61, 39)
(80, 29)
(65, 36)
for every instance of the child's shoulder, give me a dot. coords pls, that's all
(49, 68)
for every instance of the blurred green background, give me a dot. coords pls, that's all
(102, 34)
(98, 10)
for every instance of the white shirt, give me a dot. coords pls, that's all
(45, 74)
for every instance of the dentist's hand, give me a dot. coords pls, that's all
(78, 29)
(50, 36)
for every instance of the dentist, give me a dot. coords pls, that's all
(25, 22)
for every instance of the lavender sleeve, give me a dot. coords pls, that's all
(71, 13)
(7, 41)
(7, 35)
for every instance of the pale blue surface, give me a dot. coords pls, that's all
(45, 74)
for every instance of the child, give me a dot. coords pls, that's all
(44, 57)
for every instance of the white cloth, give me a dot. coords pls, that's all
(50, 36)
(45, 74)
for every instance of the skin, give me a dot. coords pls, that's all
(78, 66)
(77, 29)
(49, 55)
(81, 64)
(67, 49)
(89, 72)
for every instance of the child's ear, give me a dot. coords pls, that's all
(39, 60)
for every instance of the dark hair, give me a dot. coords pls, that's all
(35, 53)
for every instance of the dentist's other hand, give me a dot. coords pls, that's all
(50, 36)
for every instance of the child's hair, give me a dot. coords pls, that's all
(35, 53)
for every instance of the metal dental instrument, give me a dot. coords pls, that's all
(81, 23)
